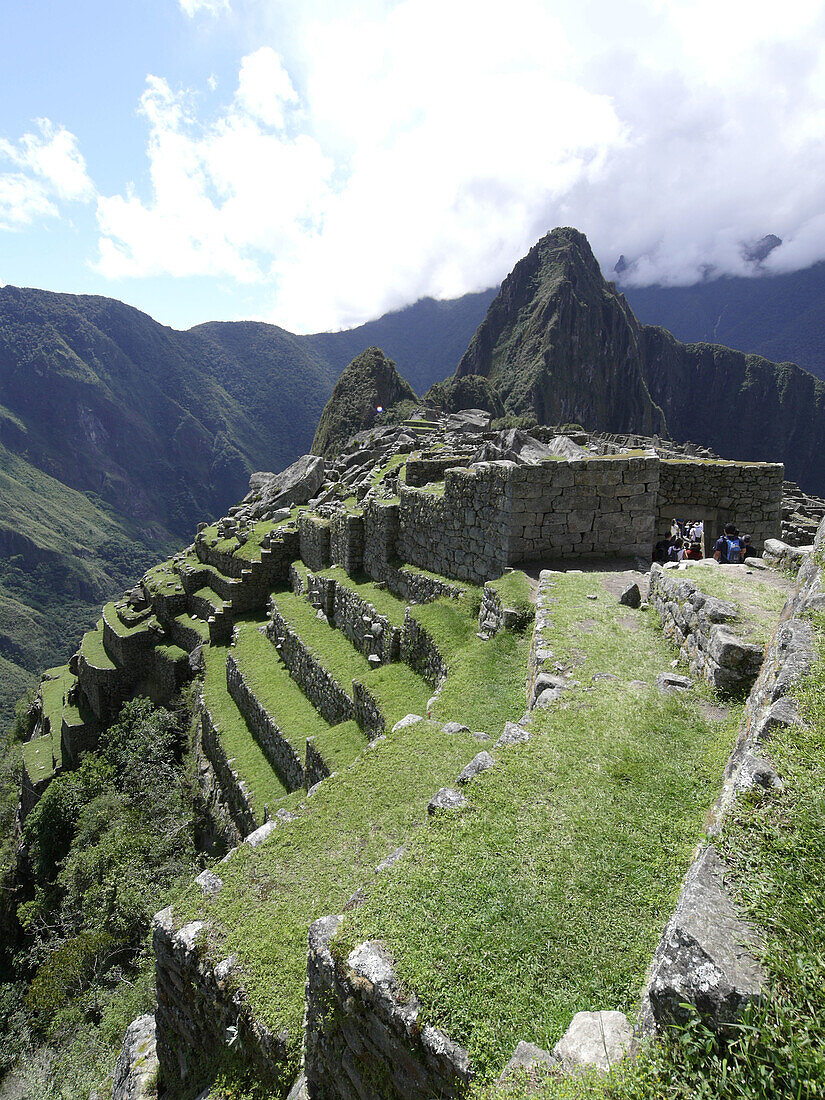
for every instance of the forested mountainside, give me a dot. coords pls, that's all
(561, 344)
(779, 316)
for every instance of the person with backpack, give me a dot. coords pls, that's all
(728, 549)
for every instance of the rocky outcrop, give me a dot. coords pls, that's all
(137, 1065)
(370, 382)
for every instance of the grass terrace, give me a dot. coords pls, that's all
(548, 894)
(516, 591)
(311, 866)
(197, 625)
(93, 649)
(281, 697)
(396, 688)
(390, 467)
(114, 622)
(38, 758)
(211, 596)
(263, 784)
(759, 596)
(384, 601)
(163, 579)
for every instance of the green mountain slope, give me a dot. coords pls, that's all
(559, 343)
(370, 382)
(779, 316)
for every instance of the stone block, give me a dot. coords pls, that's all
(598, 1040)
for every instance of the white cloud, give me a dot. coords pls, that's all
(375, 153)
(210, 7)
(47, 168)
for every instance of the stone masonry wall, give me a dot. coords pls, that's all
(325, 693)
(708, 956)
(275, 747)
(314, 541)
(464, 533)
(347, 542)
(583, 508)
(381, 528)
(233, 787)
(364, 1039)
(747, 494)
(201, 1008)
(369, 632)
(419, 651)
(699, 626)
(316, 767)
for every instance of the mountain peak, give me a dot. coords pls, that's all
(370, 383)
(559, 342)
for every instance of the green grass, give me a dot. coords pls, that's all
(263, 784)
(310, 867)
(548, 895)
(163, 580)
(385, 602)
(37, 757)
(93, 649)
(211, 596)
(773, 842)
(758, 601)
(388, 468)
(54, 684)
(52, 693)
(516, 592)
(397, 689)
(339, 745)
(198, 625)
(281, 697)
(112, 619)
(172, 652)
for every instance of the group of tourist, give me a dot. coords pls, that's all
(686, 544)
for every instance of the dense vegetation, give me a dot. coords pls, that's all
(369, 384)
(104, 844)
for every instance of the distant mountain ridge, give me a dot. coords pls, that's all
(779, 316)
(561, 343)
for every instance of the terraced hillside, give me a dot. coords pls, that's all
(483, 801)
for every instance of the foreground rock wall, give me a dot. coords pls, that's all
(708, 955)
(364, 1039)
(699, 626)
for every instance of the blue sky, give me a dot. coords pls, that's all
(315, 163)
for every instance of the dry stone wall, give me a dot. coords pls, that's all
(583, 508)
(699, 625)
(364, 1038)
(325, 693)
(708, 955)
(314, 532)
(233, 787)
(419, 651)
(747, 494)
(202, 1013)
(347, 541)
(275, 747)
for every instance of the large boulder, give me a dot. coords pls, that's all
(705, 957)
(296, 484)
